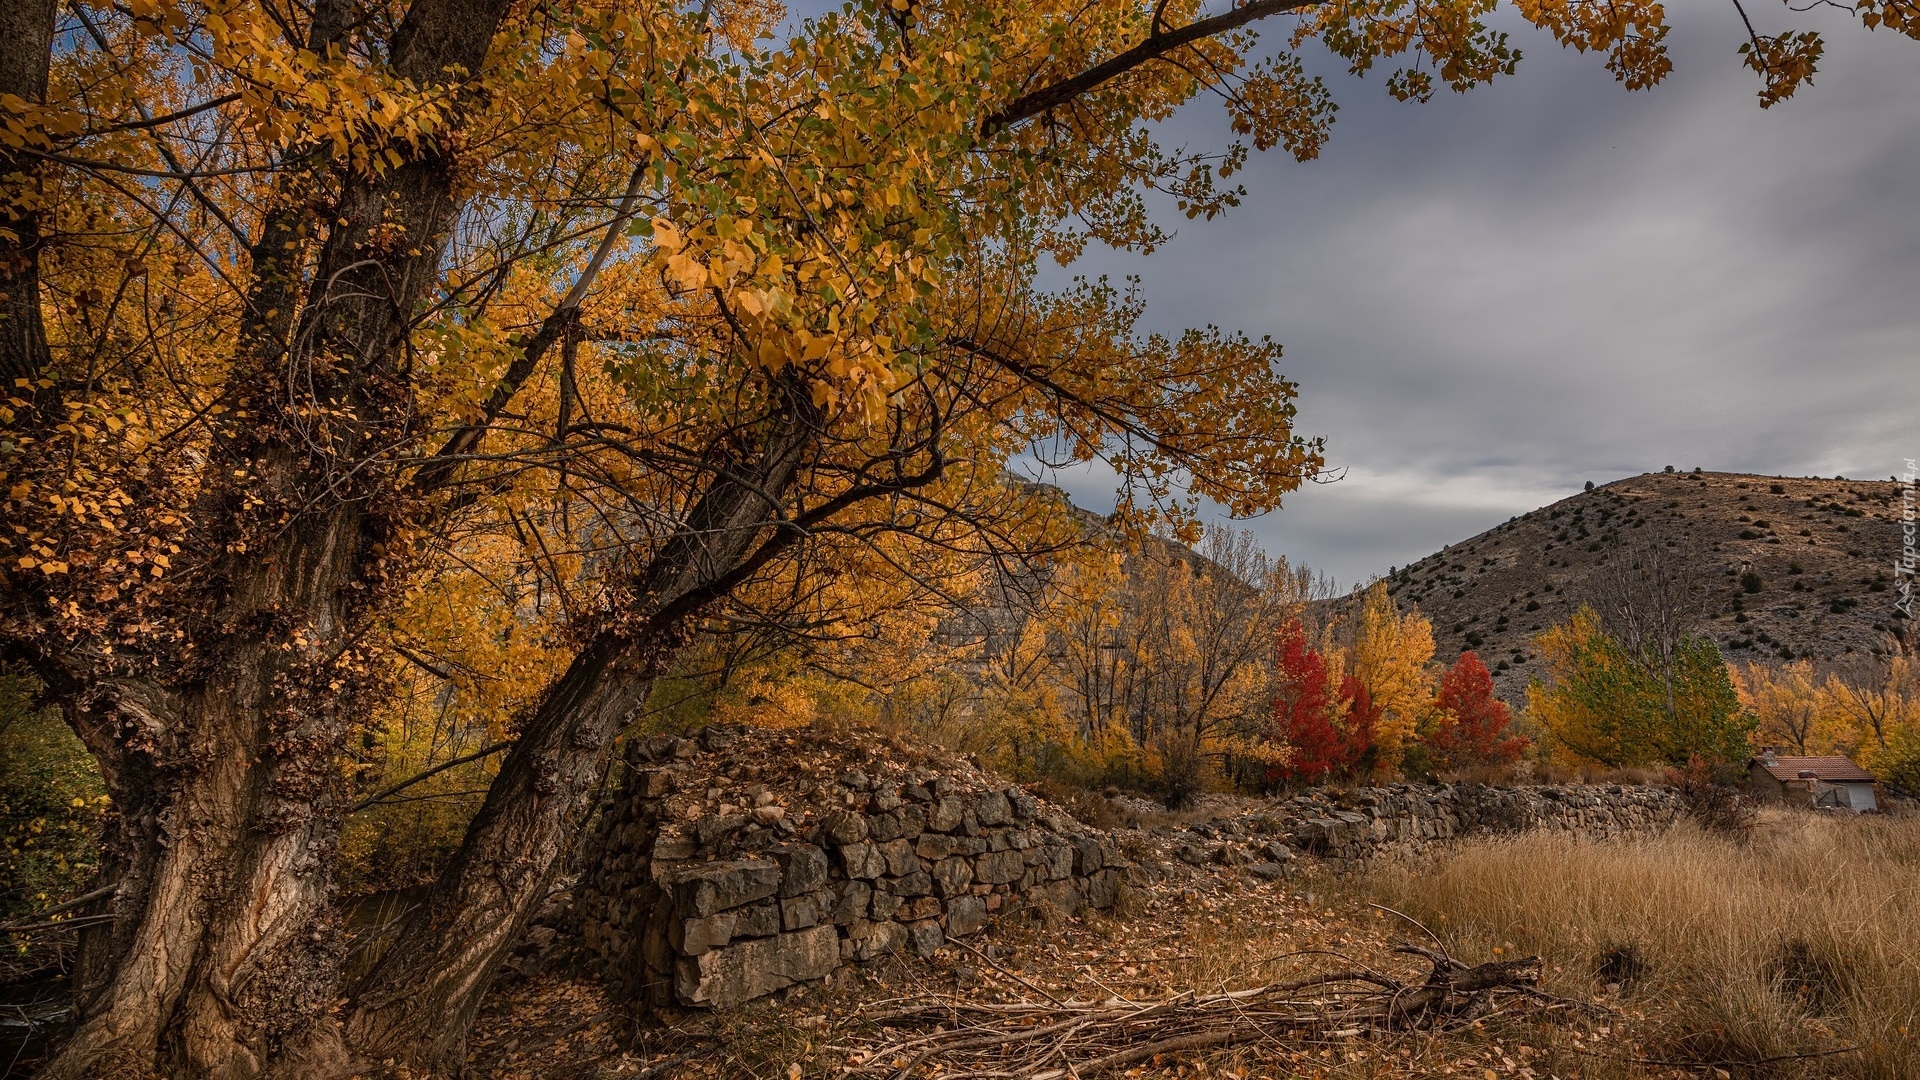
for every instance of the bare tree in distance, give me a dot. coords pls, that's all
(1649, 595)
(1651, 600)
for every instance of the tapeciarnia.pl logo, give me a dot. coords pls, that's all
(1903, 567)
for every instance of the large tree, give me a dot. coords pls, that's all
(307, 306)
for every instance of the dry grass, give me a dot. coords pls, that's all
(1802, 939)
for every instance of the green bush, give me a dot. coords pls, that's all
(51, 804)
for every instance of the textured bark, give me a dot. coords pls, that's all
(418, 1002)
(26, 44)
(222, 958)
(220, 954)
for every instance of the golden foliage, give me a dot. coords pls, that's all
(1868, 710)
(1391, 655)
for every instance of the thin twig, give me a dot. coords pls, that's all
(1416, 922)
(392, 789)
(1008, 973)
(78, 901)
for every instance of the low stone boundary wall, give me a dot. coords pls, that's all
(743, 861)
(1400, 819)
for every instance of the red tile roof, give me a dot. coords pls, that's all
(1834, 769)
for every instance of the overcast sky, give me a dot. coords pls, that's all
(1491, 298)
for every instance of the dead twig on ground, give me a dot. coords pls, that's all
(946, 1036)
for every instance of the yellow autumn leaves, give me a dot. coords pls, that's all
(1868, 710)
(1391, 654)
(847, 355)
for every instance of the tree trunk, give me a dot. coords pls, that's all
(26, 48)
(419, 1000)
(222, 957)
(221, 952)
(417, 1003)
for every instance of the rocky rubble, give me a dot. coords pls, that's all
(743, 861)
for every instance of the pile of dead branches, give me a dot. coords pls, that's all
(955, 1037)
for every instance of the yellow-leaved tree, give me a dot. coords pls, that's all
(1793, 709)
(1391, 654)
(621, 314)
(1867, 708)
(1601, 702)
(1878, 700)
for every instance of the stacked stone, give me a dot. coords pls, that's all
(1407, 818)
(744, 861)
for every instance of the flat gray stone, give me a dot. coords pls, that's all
(863, 861)
(718, 886)
(946, 815)
(803, 868)
(992, 809)
(900, 857)
(999, 867)
(850, 902)
(925, 936)
(752, 969)
(881, 939)
(952, 876)
(966, 915)
(843, 827)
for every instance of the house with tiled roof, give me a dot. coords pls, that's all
(1830, 780)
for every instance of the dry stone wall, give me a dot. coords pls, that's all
(1350, 826)
(742, 861)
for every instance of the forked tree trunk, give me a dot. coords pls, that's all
(419, 1000)
(222, 957)
(220, 954)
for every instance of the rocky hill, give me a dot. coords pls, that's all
(1791, 567)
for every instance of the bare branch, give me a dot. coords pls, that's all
(1156, 45)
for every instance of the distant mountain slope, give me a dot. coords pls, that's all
(1822, 550)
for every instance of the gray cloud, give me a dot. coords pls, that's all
(1493, 297)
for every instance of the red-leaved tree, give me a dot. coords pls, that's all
(1327, 732)
(1473, 722)
(1358, 723)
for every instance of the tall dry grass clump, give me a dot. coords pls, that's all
(1800, 939)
